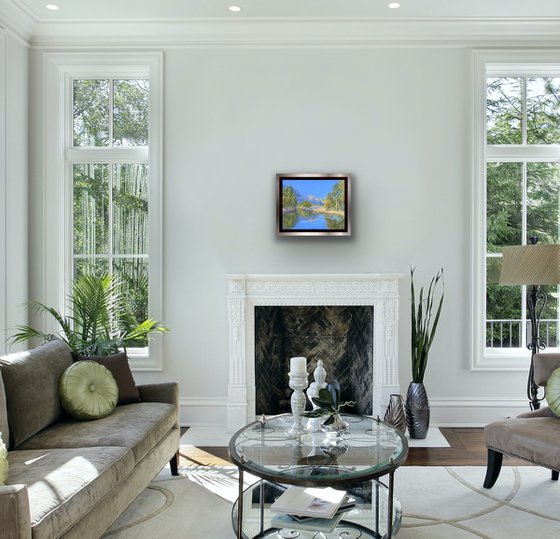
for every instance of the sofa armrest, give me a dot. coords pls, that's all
(167, 392)
(540, 412)
(15, 517)
(544, 365)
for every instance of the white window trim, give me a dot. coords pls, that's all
(509, 62)
(59, 68)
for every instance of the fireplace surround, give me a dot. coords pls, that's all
(245, 292)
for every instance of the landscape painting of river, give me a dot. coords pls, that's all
(313, 204)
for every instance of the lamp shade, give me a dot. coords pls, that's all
(531, 264)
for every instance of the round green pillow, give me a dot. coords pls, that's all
(88, 390)
(553, 392)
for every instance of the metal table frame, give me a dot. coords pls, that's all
(242, 465)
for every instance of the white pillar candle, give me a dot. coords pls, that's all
(298, 365)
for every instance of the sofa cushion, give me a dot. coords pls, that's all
(31, 383)
(120, 369)
(553, 392)
(534, 439)
(4, 426)
(138, 426)
(64, 484)
(88, 390)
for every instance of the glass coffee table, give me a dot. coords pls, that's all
(354, 462)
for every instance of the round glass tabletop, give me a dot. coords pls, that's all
(367, 450)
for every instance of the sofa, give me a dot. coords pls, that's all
(70, 478)
(533, 436)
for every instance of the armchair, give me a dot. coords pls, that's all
(533, 436)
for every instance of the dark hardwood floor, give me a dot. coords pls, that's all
(467, 449)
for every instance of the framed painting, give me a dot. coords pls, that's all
(313, 205)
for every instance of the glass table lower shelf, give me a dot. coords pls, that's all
(366, 520)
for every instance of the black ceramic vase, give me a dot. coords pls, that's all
(395, 414)
(417, 410)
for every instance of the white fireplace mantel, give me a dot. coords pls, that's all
(245, 292)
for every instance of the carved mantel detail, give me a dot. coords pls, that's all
(247, 291)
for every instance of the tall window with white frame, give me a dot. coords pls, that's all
(107, 160)
(522, 193)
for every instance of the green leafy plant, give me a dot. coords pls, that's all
(97, 323)
(328, 402)
(424, 324)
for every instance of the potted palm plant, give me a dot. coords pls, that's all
(424, 324)
(98, 322)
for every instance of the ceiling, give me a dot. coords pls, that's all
(160, 10)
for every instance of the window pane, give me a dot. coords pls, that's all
(543, 201)
(548, 328)
(132, 274)
(91, 266)
(503, 205)
(130, 209)
(91, 209)
(543, 110)
(91, 113)
(503, 309)
(130, 113)
(504, 110)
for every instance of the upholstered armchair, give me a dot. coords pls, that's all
(532, 436)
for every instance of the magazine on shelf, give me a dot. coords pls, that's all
(325, 525)
(309, 502)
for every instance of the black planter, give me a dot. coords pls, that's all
(417, 411)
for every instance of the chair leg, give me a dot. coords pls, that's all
(493, 468)
(555, 475)
(174, 464)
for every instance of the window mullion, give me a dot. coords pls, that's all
(524, 110)
(524, 242)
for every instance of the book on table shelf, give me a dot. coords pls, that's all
(325, 525)
(310, 502)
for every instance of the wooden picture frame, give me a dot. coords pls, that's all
(313, 205)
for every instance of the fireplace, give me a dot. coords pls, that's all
(339, 335)
(365, 304)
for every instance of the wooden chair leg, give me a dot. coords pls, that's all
(555, 475)
(493, 467)
(174, 464)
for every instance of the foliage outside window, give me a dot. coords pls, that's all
(522, 156)
(110, 182)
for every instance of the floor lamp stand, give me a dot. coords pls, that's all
(536, 302)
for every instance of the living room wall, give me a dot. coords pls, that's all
(14, 81)
(398, 119)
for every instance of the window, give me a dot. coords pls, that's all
(110, 115)
(519, 169)
(110, 224)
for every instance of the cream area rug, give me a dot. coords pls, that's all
(437, 503)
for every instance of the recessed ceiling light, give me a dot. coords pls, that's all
(394, 5)
(235, 9)
(52, 7)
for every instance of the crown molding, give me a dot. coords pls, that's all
(295, 32)
(16, 21)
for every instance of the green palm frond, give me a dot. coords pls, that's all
(423, 323)
(97, 324)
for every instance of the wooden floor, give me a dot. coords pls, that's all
(467, 449)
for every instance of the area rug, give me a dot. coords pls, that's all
(437, 503)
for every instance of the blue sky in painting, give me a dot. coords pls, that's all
(316, 188)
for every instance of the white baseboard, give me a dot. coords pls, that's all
(464, 412)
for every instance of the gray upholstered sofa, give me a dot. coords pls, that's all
(532, 436)
(70, 478)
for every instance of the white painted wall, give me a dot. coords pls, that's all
(398, 119)
(14, 227)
